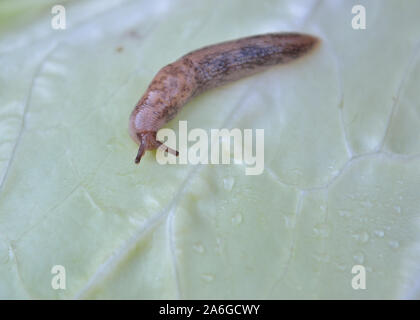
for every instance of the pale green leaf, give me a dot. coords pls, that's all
(342, 155)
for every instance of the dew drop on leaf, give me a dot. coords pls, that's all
(208, 277)
(394, 244)
(228, 183)
(359, 257)
(237, 219)
(322, 230)
(379, 233)
(198, 247)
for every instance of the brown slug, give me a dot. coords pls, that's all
(204, 69)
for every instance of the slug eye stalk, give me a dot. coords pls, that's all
(139, 154)
(148, 141)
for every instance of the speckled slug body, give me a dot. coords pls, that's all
(206, 68)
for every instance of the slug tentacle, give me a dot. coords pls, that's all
(140, 153)
(148, 142)
(204, 69)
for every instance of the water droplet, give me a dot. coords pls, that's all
(394, 244)
(198, 247)
(323, 257)
(379, 233)
(208, 277)
(367, 204)
(362, 237)
(297, 172)
(344, 213)
(322, 230)
(341, 267)
(289, 222)
(364, 220)
(219, 246)
(359, 257)
(398, 209)
(11, 253)
(237, 219)
(228, 183)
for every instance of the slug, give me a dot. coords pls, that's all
(200, 70)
